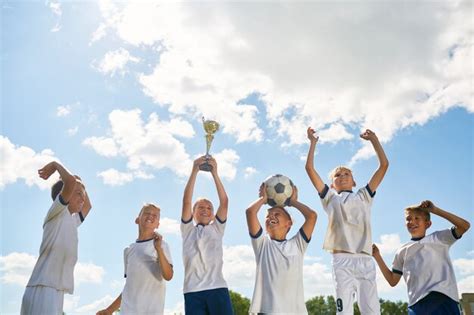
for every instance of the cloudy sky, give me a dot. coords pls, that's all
(116, 92)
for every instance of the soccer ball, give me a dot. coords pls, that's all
(279, 190)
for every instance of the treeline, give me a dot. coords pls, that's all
(320, 305)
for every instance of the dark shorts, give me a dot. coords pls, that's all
(208, 302)
(435, 303)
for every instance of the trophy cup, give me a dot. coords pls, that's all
(211, 127)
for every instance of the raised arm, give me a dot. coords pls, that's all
(223, 199)
(112, 307)
(186, 212)
(69, 181)
(391, 277)
(252, 211)
(313, 175)
(460, 225)
(87, 203)
(379, 174)
(166, 267)
(309, 214)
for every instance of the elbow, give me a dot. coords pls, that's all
(384, 164)
(168, 276)
(313, 216)
(392, 284)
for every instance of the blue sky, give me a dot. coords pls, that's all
(116, 93)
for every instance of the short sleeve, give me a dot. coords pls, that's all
(257, 242)
(78, 218)
(219, 225)
(186, 227)
(301, 240)
(125, 261)
(447, 237)
(167, 252)
(398, 261)
(366, 194)
(326, 196)
(56, 208)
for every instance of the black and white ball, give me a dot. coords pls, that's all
(279, 190)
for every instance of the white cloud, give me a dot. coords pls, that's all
(239, 267)
(58, 12)
(16, 269)
(62, 111)
(70, 303)
(113, 177)
(317, 280)
(466, 285)
(152, 143)
(178, 309)
(227, 160)
(169, 226)
(73, 131)
(93, 307)
(368, 72)
(465, 266)
(390, 243)
(20, 162)
(115, 62)
(249, 171)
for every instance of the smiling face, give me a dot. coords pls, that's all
(277, 223)
(203, 211)
(342, 179)
(417, 222)
(149, 218)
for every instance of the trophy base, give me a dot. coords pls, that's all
(206, 167)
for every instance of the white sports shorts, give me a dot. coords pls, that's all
(41, 300)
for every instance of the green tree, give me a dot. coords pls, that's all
(393, 308)
(320, 305)
(240, 303)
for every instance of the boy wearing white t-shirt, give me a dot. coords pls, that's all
(53, 274)
(205, 290)
(147, 264)
(279, 277)
(424, 262)
(349, 235)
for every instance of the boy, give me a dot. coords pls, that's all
(424, 262)
(53, 274)
(205, 290)
(147, 264)
(348, 236)
(279, 279)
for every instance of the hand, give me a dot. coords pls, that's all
(47, 170)
(157, 241)
(262, 192)
(103, 312)
(375, 250)
(294, 196)
(200, 160)
(368, 135)
(311, 133)
(427, 205)
(212, 161)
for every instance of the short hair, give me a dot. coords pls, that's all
(149, 205)
(337, 169)
(284, 210)
(419, 210)
(202, 199)
(56, 189)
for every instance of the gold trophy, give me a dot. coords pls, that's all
(211, 127)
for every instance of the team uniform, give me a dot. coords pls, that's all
(145, 288)
(349, 230)
(205, 290)
(53, 274)
(279, 279)
(428, 272)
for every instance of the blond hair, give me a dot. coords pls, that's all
(337, 169)
(419, 210)
(149, 205)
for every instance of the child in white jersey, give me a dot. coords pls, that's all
(53, 274)
(205, 290)
(147, 264)
(348, 235)
(424, 262)
(279, 278)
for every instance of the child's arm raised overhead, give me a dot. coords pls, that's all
(87, 203)
(223, 199)
(379, 174)
(310, 215)
(460, 225)
(391, 277)
(69, 181)
(166, 267)
(252, 211)
(313, 175)
(186, 212)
